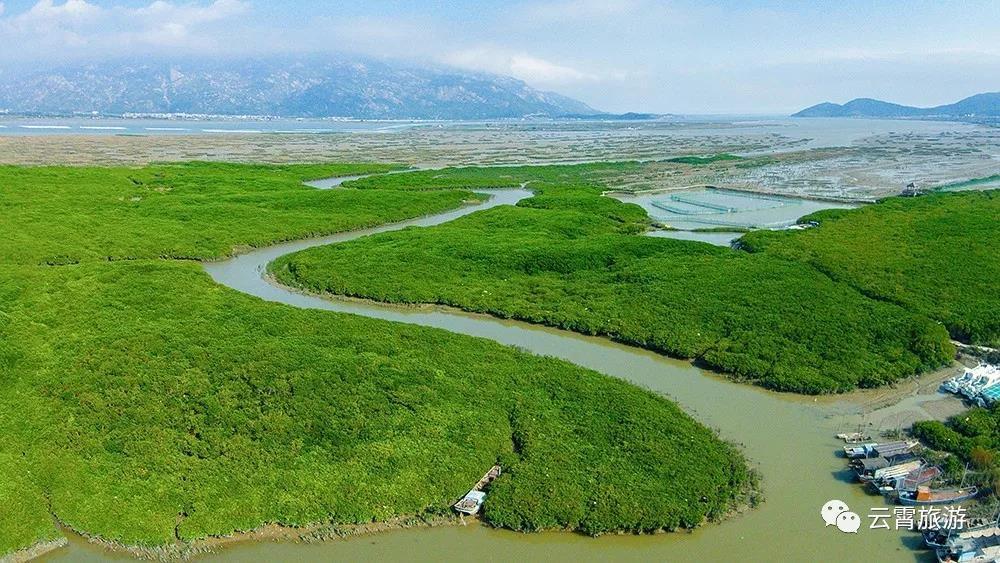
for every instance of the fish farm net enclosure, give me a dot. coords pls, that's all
(716, 207)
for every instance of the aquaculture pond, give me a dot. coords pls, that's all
(714, 208)
(704, 214)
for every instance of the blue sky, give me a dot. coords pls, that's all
(617, 55)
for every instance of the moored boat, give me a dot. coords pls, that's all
(924, 495)
(881, 470)
(983, 547)
(908, 482)
(946, 538)
(884, 449)
(925, 474)
(473, 500)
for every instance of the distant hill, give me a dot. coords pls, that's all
(979, 106)
(299, 87)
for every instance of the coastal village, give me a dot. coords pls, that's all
(958, 518)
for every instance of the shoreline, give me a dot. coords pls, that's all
(322, 532)
(35, 550)
(273, 532)
(743, 189)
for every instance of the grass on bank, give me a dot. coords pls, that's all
(571, 258)
(144, 403)
(62, 215)
(937, 255)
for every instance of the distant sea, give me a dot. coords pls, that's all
(809, 132)
(10, 125)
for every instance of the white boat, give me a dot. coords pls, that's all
(471, 502)
(860, 450)
(896, 471)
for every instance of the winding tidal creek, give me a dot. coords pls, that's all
(788, 438)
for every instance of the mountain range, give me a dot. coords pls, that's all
(287, 87)
(980, 106)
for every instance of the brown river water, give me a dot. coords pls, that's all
(788, 438)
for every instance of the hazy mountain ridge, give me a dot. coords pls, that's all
(309, 87)
(985, 106)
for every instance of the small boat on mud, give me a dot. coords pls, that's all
(854, 437)
(471, 502)
(924, 495)
(474, 499)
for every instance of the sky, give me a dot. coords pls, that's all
(616, 55)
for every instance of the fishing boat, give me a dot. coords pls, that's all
(978, 546)
(471, 502)
(925, 474)
(881, 470)
(860, 450)
(946, 538)
(987, 554)
(908, 482)
(474, 499)
(924, 495)
(884, 449)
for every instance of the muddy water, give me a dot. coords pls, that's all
(788, 438)
(330, 183)
(718, 238)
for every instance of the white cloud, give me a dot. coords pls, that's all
(529, 68)
(581, 9)
(69, 12)
(187, 15)
(537, 70)
(48, 28)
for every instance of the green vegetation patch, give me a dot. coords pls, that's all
(974, 438)
(173, 403)
(570, 258)
(703, 160)
(145, 405)
(62, 215)
(937, 255)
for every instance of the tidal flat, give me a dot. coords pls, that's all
(833, 158)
